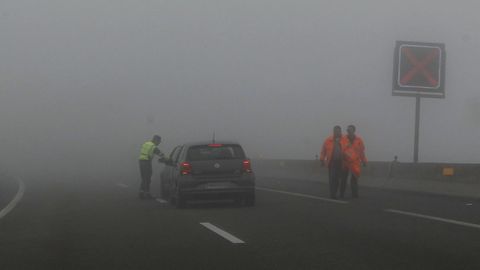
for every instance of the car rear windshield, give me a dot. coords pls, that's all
(215, 152)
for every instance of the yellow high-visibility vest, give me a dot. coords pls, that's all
(146, 152)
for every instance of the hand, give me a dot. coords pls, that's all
(364, 164)
(322, 162)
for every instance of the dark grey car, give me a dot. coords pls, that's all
(218, 170)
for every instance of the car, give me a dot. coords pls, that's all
(208, 170)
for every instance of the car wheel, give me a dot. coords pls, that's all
(250, 200)
(180, 201)
(163, 191)
(171, 196)
(238, 200)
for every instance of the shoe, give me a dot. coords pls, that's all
(148, 196)
(141, 195)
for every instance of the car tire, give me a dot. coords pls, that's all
(239, 200)
(250, 200)
(180, 201)
(171, 196)
(163, 191)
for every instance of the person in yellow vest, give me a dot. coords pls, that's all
(148, 150)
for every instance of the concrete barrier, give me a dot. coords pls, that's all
(467, 173)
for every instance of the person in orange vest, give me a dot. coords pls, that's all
(354, 155)
(332, 155)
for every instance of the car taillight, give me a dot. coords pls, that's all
(215, 145)
(185, 168)
(247, 166)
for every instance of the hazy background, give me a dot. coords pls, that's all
(83, 83)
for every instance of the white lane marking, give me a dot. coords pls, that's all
(222, 233)
(160, 200)
(446, 220)
(122, 185)
(469, 204)
(302, 195)
(18, 197)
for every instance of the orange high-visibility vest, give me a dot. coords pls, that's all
(327, 148)
(354, 154)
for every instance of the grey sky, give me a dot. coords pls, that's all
(88, 80)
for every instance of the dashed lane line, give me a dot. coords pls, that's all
(222, 233)
(446, 220)
(18, 197)
(161, 200)
(302, 195)
(122, 185)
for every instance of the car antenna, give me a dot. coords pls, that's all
(213, 138)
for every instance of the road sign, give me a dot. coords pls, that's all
(419, 69)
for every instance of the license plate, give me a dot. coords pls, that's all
(215, 186)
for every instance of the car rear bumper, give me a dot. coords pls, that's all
(231, 193)
(195, 188)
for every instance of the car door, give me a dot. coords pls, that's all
(176, 167)
(166, 175)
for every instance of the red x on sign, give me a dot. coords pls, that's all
(419, 69)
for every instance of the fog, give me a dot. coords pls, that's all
(84, 83)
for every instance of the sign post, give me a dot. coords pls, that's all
(417, 129)
(419, 71)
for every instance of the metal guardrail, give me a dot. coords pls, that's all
(422, 171)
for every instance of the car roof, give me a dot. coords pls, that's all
(209, 142)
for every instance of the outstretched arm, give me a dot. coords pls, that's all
(323, 154)
(363, 158)
(162, 157)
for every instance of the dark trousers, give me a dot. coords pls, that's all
(335, 176)
(146, 174)
(353, 184)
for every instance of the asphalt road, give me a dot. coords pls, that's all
(8, 188)
(100, 224)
